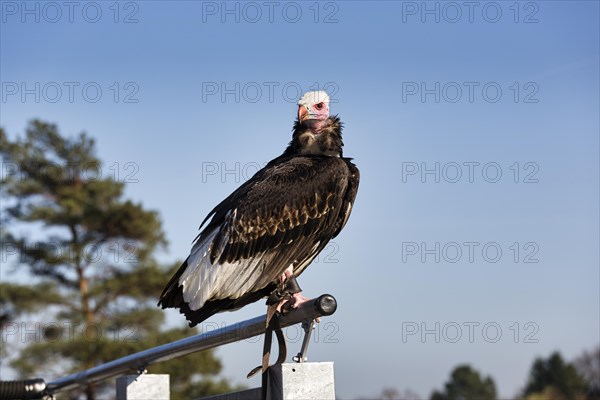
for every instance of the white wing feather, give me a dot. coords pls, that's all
(203, 281)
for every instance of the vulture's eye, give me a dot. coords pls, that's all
(319, 106)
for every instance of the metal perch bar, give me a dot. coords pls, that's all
(324, 305)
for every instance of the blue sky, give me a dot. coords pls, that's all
(206, 92)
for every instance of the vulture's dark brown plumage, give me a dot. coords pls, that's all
(283, 216)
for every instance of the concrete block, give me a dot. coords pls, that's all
(143, 387)
(301, 381)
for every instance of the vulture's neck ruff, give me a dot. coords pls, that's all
(319, 138)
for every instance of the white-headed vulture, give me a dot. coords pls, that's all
(268, 231)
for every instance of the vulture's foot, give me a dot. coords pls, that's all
(287, 303)
(286, 296)
(297, 299)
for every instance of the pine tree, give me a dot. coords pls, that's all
(465, 383)
(554, 375)
(88, 253)
(588, 366)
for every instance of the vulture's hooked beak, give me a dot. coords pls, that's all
(303, 113)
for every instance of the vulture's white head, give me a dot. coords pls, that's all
(315, 131)
(313, 106)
